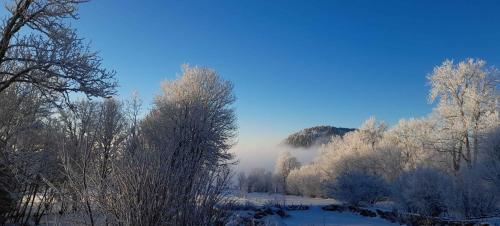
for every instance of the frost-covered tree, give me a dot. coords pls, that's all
(354, 151)
(284, 165)
(39, 47)
(372, 131)
(177, 171)
(414, 137)
(467, 102)
(42, 60)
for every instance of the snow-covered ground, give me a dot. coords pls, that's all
(316, 216)
(313, 216)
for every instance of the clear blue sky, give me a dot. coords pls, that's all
(295, 64)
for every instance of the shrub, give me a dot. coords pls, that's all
(472, 196)
(358, 188)
(422, 191)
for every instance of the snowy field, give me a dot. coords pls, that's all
(313, 216)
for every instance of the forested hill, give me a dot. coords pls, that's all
(314, 135)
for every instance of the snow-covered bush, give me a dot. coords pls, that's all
(358, 188)
(306, 181)
(431, 192)
(472, 196)
(422, 191)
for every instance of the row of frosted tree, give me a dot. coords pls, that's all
(92, 159)
(444, 164)
(100, 162)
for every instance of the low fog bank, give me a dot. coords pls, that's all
(264, 155)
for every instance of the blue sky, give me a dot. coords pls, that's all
(295, 64)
